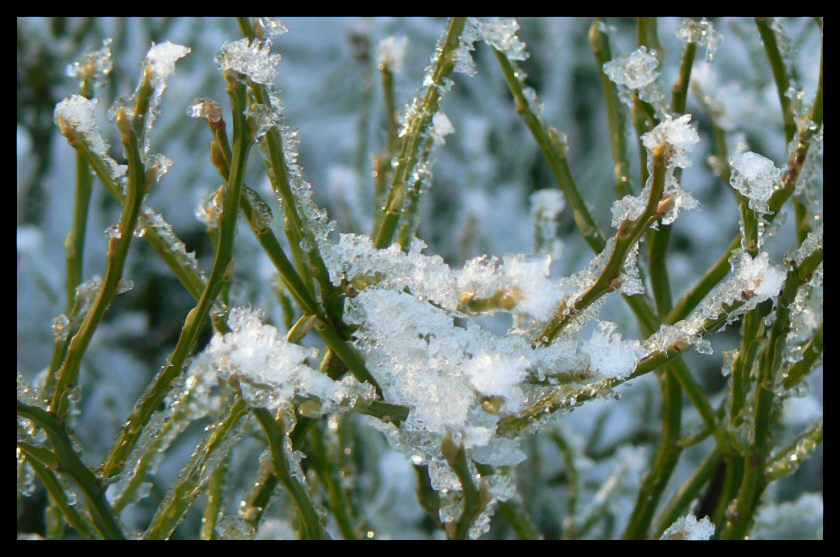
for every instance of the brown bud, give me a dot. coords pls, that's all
(665, 205)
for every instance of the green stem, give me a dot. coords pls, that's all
(274, 431)
(104, 518)
(222, 268)
(412, 152)
(797, 372)
(456, 456)
(686, 493)
(181, 495)
(327, 470)
(215, 500)
(117, 253)
(616, 118)
(780, 73)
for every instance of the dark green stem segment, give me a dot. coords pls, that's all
(474, 498)
(411, 151)
(275, 432)
(104, 518)
(780, 73)
(686, 493)
(222, 269)
(117, 252)
(616, 116)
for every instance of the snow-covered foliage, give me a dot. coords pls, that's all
(483, 350)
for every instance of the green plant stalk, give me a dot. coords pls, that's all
(780, 74)
(274, 431)
(600, 43)
(181, 495)
(104, 518)
(789, 458)
(686, 493)
(74, 245)
(58, 497)
(117, 253)
(664, 462)
(628, 234)
(646, 34)
(456, 457)
(327, 470)
(411, 152)
(222, 267)
(797, 372)
(707, 282)
(569, 531)
(754, 481)
(517, 516)
(554, 153)
(214, 503)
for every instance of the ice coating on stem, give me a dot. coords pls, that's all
(689, 528)
(609, 354)
(634, 71)
(270, 27)
(501, 35)
(159, 65)
(75, 118)
(756, 178)
(205, 108)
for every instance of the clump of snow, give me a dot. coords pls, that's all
(634, 71)
(271, 371)
(160, 61)
(253, 60)
(679, 135)
(702, 33)
(756, 178)
(390, 53)
(92, 66)
(75, 116)
(689, 528)
(609, 354)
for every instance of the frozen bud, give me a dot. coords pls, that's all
(92, 66)
(390, 53)
(679, 135)
(665, 205)
(205, 108)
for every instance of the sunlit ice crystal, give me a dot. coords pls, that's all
(501, 35)
(75, 114)
(679, 134)
(270, 27)
(689, 528)
(441, 127)
(251, 59)
(756, 178)
(634, 71)
(609, 354)
(160, 61)
(205, 108)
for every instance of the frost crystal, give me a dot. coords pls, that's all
(756, 178)
(689, 528)
(251, 59)
(702, 33)
(441, 127)
(205, 108)
(634, 71)
(93, 66)
(501, 35)
(390, 52)
(160, 61)
(271, 27)
(75, 117)
(679, 135)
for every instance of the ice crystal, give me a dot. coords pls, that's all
(205, 108)
(689, 528)
(159, 64)
(270, 28)
(501, 35)
(609, 354)
(441, 127)
(756, 178)
(634, 71)
(94, 66)
(250, 59)
(390, 53)
(702, 33)
(75, 118)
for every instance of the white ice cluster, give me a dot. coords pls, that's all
(756, 178)
(689, 528)
(639, 71)
(390, 53)
(251, 59)
(159, 65)
(441, 127)
(271, 371)
(75, 115)
(501, 35)
(680, 137)
(702, 33)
